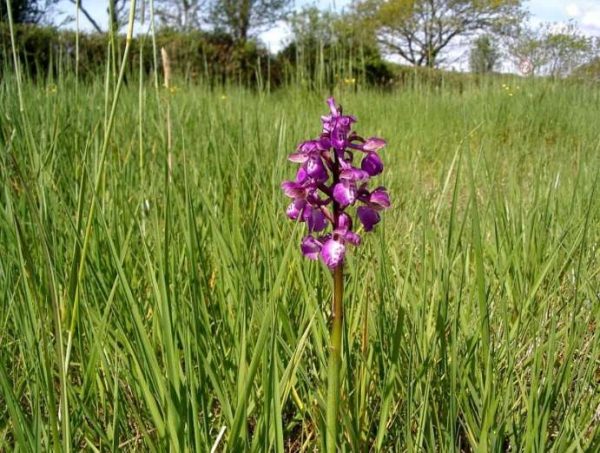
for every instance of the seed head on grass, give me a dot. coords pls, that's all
(328, 185)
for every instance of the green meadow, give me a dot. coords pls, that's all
(153, 295)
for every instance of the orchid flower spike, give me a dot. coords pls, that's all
(328, 188)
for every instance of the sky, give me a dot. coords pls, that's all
(586, 13)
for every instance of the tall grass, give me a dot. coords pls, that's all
(143, 312)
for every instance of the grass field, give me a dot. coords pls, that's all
(146, 310)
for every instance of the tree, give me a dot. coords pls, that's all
(24, 11)
(418, 30)
(590, 70)
(484, 55)
(312, 25)
(566, 50)
(527, 47)
(183, 15)
(241, 18)
(552, 49)
(330, 48)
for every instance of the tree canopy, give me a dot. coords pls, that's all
(240, 18)
(182, 15)
(23, 11)
(418, 30)
(484, 55)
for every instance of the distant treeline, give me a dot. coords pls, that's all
(194, 56)
(201, 57)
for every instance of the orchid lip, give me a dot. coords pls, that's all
(344, 193)
(295, 209)
(333, 252)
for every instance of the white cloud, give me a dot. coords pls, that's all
(587, 14)
(590, 22)
(572, 10)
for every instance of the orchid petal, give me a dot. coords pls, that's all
(379, 198)
(315, 169)
(373, 144)
(354, 174)
(298, 158)
(344, 222)
(352, 238)
(310, 247)
(338, 139)
(346, 121)
(309, 146)
(332, 107)
(293, 189)
(315, 219)
(368, 217)
(301, 175)
(372, 164)
(324, 143)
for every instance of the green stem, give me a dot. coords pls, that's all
(335, 358)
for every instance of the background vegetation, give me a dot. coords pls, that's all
(142, 310)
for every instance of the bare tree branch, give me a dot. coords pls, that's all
(88, 16)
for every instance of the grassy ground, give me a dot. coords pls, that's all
(141, 310)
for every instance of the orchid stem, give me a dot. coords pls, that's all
(335, 359)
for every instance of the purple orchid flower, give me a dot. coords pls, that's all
(327, 186)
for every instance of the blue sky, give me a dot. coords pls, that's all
(585, 12)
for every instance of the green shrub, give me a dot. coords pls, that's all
(46, 51)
